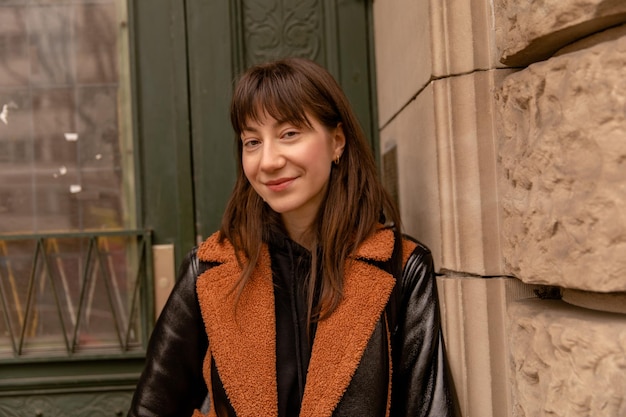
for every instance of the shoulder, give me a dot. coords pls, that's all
(418, 266)
(414, 250)
(209, 253)
(216, 249)
(191, 268)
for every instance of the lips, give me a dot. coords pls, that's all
(279, 184)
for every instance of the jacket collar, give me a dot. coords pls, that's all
(243, 338)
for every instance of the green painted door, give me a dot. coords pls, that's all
(225, 37)
(114, 138)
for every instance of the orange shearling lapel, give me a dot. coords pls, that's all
(243, 341)
(341, 339)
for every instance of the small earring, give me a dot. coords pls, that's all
(337, 160)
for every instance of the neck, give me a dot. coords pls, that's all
(299, 233)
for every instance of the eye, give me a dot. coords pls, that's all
(250, 143)
(290, 134)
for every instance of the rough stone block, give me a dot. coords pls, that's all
(531, 31)
(563, 158)
(566, 361)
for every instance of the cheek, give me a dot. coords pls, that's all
(319, 153)
(250, 171)
(247, 167)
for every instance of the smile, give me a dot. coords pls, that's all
(279, 184)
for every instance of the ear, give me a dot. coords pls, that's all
(339, 140)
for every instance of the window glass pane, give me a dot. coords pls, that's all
(68, 268)
(14, 279)
(65, 117)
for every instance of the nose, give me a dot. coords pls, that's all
(272, 157)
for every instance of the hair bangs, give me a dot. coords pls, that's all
(275, 92)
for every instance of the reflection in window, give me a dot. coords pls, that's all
(65, 136)
(70, 268)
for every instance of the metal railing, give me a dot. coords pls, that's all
(72, 293)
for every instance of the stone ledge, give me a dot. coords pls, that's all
(528, 32)
(610, 302)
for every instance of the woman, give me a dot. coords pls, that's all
(304, 303)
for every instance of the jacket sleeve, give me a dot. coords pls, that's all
(421, 382)
(172, 383)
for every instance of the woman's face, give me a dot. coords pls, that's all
(289, 166)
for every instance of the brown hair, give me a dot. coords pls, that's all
(355, 202)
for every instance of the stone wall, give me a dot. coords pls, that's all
(509, 122)
(562, 159)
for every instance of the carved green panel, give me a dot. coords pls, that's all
(279, 28)
(106, 404)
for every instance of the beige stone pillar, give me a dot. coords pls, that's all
(475, 330)
(437, 73)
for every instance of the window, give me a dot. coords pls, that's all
(71, 261)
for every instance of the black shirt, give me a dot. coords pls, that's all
(291, 265)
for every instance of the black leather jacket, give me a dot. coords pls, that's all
(173, 383)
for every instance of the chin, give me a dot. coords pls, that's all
(278, 209)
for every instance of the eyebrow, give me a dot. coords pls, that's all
(276, 124)
(248, 129)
